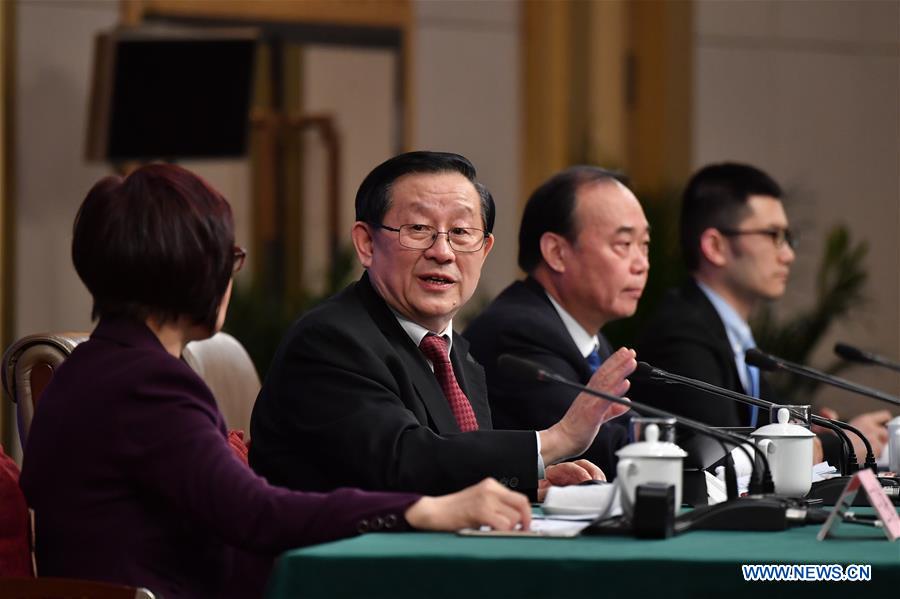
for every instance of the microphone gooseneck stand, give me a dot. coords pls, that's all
(848, 464)
(759, 512)
(829, 490)
(763, 361)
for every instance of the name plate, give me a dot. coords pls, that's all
(888, 520)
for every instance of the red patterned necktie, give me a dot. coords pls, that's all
(435, 349)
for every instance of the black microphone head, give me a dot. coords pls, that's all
(644, 371)
(761, 360)
(519, 368)
(848, 352)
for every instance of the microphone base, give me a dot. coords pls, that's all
(654, 515)
(829, 491)
(753, 512)
(761, 512)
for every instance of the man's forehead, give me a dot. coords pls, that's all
(440, 182)
(765, 209)
(434, 191)
(611, 205)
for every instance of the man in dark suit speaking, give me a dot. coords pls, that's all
(583, 241)
(373, 389)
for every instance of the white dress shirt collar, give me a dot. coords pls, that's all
(417, 332)
(584, 341)
(740, 337)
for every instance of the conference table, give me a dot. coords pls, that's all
(699, 563)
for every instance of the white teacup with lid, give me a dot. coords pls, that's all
(789, 449)
(649, 461)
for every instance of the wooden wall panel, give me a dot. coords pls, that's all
(608, 83)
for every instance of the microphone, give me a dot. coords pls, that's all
(854, 354)
(764, 361)
(514, 366)
(758, 512)
(658, 374)
(827, 490)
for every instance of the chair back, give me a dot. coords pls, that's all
(226, 368)
(28, 365)
(221, 361)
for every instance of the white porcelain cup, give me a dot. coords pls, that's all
(789, 449)
(649, 461)
(893, 427)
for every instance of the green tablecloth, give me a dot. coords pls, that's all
(695, 564)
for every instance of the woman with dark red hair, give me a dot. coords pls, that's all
(127, 464)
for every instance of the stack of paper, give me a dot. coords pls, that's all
(599, 500)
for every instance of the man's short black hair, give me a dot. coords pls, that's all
(159, 242)
(374, 195)
(551, 208)
(716, 197)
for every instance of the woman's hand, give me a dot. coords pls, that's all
(487, 503)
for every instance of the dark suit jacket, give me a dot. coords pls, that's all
(350, 400)
(687, 337)
(132, 479)
(522, 321)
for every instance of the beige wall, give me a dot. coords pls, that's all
(53, 64)
(5, 108)
(7, 413)
(466, 90)
(810, 92)
(366, 131)
(53, 53)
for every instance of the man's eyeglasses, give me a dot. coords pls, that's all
(422, 237)
(240, 255)
(779, 236)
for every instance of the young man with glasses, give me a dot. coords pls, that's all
(738, 249)
(374, 389)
